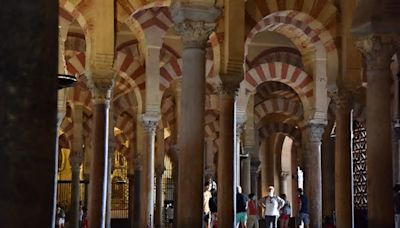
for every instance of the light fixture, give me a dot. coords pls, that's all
(65, 80)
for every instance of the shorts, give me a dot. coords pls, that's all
(284, 217)
(241, 217)
(304, 217)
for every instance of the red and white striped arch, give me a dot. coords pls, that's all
(131, 66)
(277, 54)
(126, 123)
(68, 12)
(280, 106)
(168, 111)
(66, 128)
(173, 70)
(274, 89)
(282, 72)
(289, 130)
(76, 42)
(154, 20)
(313, 31)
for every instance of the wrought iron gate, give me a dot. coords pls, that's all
(360, 174)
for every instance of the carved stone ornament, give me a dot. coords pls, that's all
(343, 100)
(150, 122)
(75, 160)
(284, 175)
(230, 84)
(101, 89)
(315, 132)
(194, 33)
(378, 50)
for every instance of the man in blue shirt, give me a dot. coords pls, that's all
(303, 208)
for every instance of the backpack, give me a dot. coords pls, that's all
(286, 209)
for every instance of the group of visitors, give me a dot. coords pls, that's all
(61, 216)
(275, 208)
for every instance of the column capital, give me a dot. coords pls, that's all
(284, 175)
(315, 130)
(396, 129)
(100, 85)
(230, 84)
(75, 160)
(194, 33)
(150, 122)
(194, 24)
(378, 50)
(255, 164)
(343, 100)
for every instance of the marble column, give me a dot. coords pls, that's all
(137, 201)
(294, 178)
(343, 172)
(239, 131)
(328, 171)
(101, 91)
(28, 103)
(396, 129)
(150, 122)
(378, 51)
(254, 166)
(110, 161)
(159, 196)
(76, 159)
(312, 171)
(227, 155)
(194, 25)
(245, 179)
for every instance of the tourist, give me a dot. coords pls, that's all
(252, 212)
(285, 213)
(213, 204)
(397, 205)
(60, 217)
(241, 208)
(272, 204)
(303, 209)
(206, 208)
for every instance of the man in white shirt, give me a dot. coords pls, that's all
(271, 205)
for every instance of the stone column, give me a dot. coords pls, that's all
(283, 182)
(378, 51)
(159, 196)
(255, 164)
(150, 122)
(28, 117)
(328, 171)
(343, 172)
(227, 155)
(137, 201)
(194, 26)
(396, 130)
(312, 171)
(76, 159)
(101, 91)
(110, 161)
(294, 179)
(245, 179)
(239, 131)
